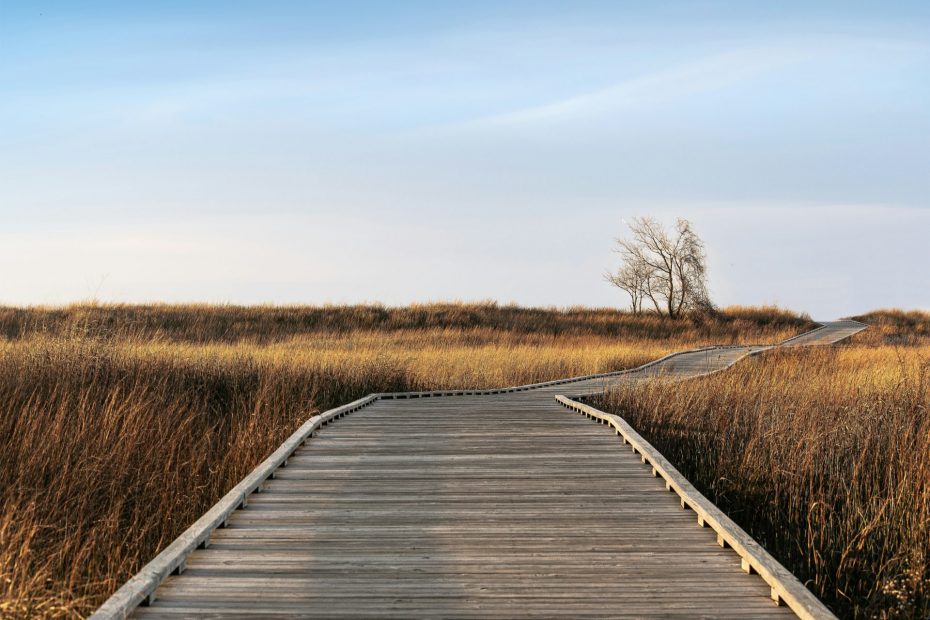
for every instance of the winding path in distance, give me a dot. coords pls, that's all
(472, 504)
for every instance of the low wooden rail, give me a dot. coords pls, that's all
(140, 589)
(786, 589)
(816, 330)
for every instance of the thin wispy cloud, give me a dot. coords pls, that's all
(680, 81)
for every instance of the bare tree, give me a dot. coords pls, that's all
(631, 277)
(669, 270)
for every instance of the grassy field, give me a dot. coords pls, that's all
(822, 455)
(121, 424)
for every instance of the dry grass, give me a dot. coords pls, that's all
(121, 424)
(822, 455)
(272, 324)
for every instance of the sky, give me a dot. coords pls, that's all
(396, 152)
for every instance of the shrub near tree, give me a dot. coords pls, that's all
(661, 268)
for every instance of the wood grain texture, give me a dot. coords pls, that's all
(495, 503)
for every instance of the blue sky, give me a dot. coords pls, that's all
(406, 151)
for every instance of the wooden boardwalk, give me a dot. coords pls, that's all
(482, 505)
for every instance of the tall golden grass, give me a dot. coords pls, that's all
(120, 425)
(822, 455)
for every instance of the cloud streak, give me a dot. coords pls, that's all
(681, 81)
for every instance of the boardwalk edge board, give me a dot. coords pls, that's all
(807, 333)
(140, 589)
(554, 382)
(786, 589)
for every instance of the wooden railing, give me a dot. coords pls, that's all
(785, 587)
(140, 589)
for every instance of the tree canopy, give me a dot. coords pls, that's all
(667, 269)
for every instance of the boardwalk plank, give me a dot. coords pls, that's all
(537, 523)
